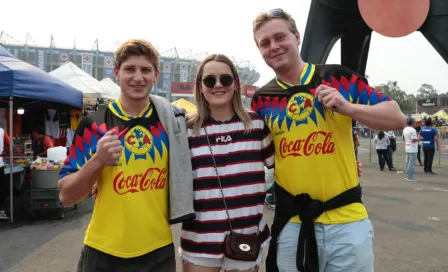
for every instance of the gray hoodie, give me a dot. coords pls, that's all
(180, 170)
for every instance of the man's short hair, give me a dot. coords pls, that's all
(428, 122)
(410, 121)
(137, 47)
(278, 13)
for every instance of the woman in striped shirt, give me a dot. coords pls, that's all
(242, 146)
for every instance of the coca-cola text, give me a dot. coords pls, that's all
(151, 179)
(316, 143)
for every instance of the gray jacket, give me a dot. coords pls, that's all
(180, 170)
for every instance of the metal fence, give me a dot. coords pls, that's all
(367, 149)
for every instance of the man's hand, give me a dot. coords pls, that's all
(359, 166)
(332, 99)
(109, 149)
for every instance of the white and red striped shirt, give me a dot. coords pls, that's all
(240, 160)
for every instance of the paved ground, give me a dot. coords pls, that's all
(410, 220)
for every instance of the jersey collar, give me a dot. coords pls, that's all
(117, 109)
(305, 76)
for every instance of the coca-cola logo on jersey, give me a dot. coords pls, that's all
(316, 143)
(151, 179)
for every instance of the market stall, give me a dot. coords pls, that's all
(184, 104)
(90, 87)
(111, 87)
(23, 86)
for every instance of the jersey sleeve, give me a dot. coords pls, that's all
(86, 137)
(362, 93)
(267, 146)
(353, 88)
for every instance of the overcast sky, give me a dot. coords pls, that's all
(206, 26)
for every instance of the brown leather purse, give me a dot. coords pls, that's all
(237, 246)
(241, 247)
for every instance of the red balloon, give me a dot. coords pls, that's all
(394, 18)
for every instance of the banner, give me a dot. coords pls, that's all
(182, 88)
(167, 76)
(183, 71)
(166, 82)
(41, 59)
(64, 56)
(87, 63)
(166, 67)
(108, 67)
(427, 102)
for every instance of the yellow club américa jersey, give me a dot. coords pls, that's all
(314, 145)
(130, 216)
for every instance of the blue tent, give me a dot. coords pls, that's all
(31, 87)
(24, 85)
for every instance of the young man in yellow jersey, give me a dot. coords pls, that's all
(320, 223)
(136, 153)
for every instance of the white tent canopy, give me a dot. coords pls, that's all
(73, 75)
(111, 87)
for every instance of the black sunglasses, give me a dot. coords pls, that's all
(211, 80)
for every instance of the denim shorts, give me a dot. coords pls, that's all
(225, 263)
(341, 247)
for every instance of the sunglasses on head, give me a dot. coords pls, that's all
(276, 12)
(210, 81)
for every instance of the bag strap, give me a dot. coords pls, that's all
(219, 182)
(219, 179)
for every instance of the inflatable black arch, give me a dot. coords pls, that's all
(331, 20)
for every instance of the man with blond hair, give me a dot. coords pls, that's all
(320, 222)
(136, 153)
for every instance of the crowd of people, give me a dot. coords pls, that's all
(148, 165)
(418, 136)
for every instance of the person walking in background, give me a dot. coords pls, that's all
(382, 144)
(417, 128)
(392, 147)
(411, 145)
(430, 143)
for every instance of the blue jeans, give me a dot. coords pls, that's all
(341, 247)
(411, 158)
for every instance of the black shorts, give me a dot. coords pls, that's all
(159, 260)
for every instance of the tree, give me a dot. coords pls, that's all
(427, 91)
(405, 101)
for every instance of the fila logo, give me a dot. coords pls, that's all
(223, 139)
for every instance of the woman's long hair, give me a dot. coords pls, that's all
(381, 135)
(197, 119)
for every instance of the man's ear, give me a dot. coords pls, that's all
(297, 35)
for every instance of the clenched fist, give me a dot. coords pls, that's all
(108, 149)
(332, 99)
